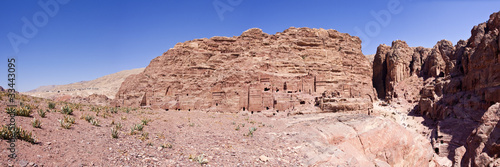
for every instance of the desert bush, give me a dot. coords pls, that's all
(66, 122)
(114, 133)
(69, 119)
(144, 136)
(41, 113)
(67, 110)
(200, 159)
(251, 130)
(88, 118)
(8, 134)
(94, 122)
(36, 123)
(166, 145)
(118, 126)
(19, 111)
(132, 130)
(65, 125)
(114, 110)
(139, 127)
(145, 121)
(126, 110)
(52, 105)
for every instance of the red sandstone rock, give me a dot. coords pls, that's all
(483, 145)
(355, 140)
(461, 82)
(255, 71)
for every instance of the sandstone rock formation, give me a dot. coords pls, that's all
(456, 84)
(254, 71)
(361, 140)
(483, 145)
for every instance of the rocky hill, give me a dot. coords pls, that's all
(257, 71)
(107, 85)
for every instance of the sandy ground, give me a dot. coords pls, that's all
(177, 138)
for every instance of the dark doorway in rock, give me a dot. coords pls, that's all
(267, 108)
(284, 86)
(216, 104)
(302, 102)
(143, 101)
(266, 89)
(166, 92)
(243, 108)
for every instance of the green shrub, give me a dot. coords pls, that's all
(8, 134)
(52, 105)
(36, 123)
(251, 130)
(41, 113)
(139, 127)
(145, 121)
(67, 110)
(118, 126)
(66, 122)
(94, 122)
(19, 111)
(114, 133)
(88, 118)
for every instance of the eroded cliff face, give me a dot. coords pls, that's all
(455, 85)
(256, 71)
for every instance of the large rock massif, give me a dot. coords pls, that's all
(257, 71)
(456, 84)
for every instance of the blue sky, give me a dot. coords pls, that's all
(84, 40)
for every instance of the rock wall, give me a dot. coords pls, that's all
(456, 84)
(483, 145)
(254, 71)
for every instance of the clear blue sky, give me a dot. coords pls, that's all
(88, 39)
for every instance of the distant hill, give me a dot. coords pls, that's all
(107, 85)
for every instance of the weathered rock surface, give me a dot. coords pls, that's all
(361, 140)
(254, 71)
(458, 84)
(483, 145)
